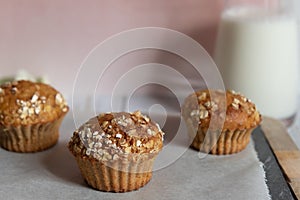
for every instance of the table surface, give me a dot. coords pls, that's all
(294, 129)
(278, 186)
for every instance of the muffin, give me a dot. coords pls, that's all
(30, 116)
(218, 122)
(116, 151)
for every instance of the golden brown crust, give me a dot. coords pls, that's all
(28, 103)
(117, 136)
(236, 111)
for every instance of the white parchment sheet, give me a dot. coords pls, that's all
(53, 174)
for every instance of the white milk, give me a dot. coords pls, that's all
(258, 56)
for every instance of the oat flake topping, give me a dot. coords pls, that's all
(112, 136)
(27, 101)
(239, 111)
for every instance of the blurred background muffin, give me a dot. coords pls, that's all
(30, 116)
(204, 113)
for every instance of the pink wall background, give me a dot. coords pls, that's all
(53, 37)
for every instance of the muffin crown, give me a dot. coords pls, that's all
(26, 102)
(237, 111)
(112, 136)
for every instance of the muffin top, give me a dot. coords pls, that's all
(235, 110)
(26, 103)
(114, 136)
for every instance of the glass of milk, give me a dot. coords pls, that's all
(257, 54)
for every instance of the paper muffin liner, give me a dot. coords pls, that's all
(116, 177)
(221, 143)
(30, 138)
